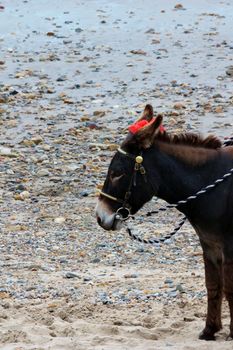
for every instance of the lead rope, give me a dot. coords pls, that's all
(175, 205)
(156, 240)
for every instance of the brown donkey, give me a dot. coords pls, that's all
(173, 168)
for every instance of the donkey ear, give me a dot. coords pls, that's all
(147, 113)
(146, 135)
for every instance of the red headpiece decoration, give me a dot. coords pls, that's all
(141, 123)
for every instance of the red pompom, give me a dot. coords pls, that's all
(138, 125)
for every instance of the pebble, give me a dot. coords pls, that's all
(180, 288)
(84, 193)
(168, 281)
(132, 275)
(229, 71)
(60, 220)
(10, 172)
(67, 41)
(99, 113)
(172, 294)
(218, 109)
(37, 139)
(43, 172)
(178, 6)
(78, 30)
(138, 52)
(71, 275)
(179, 105)
(46, 147)
(22, 196)
(7, 152)
(40, 234)
(87, 279)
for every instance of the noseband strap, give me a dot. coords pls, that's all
(129, 155)
(125, 205)
(111, 197)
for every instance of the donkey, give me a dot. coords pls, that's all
(173, 167)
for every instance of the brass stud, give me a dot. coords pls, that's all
(139, 159)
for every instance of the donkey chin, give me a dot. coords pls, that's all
(106, 218)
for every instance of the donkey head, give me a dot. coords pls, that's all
(125, 187)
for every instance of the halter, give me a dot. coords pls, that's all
(123, 213)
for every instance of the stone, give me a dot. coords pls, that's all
(179, 288)
(46, 147)
(179, 7)
(71, 275)
(131, 275)
(37, 139)
(43, 172)
(40, 234)
(78, 30)
(179, 105)
(218, 109)
(60, 220)
(4, 295)
(99, 113)
(138, 52)
(7, 152)
(25, 195)
(229, 71)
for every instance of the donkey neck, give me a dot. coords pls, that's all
(194, 156)
(183, 169)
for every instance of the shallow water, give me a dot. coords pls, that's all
(195, 48)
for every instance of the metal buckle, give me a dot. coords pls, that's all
(142, 170)
(122, 214)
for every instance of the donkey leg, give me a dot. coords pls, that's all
(228, 288)
(214, 284)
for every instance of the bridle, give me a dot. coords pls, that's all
(123, 213)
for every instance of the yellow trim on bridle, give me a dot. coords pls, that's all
(138, 167)
(120, 150)
(110, 197)
(138, 159)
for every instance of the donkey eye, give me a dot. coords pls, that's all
(115, 173)
(114, 176)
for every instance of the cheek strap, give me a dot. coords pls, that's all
(123, 212)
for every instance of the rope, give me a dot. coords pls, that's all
(228, 142)
(190, 198)
(176, 205)
(156, 240)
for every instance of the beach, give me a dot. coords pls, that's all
(73, 76)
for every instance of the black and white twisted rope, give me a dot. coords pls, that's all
(176, 205)
(195, 196)
(228, 142)
(156, 240)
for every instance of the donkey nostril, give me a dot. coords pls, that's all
(99, 220)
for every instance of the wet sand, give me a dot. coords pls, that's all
(73, 75)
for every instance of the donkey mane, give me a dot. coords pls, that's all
(192, 149)
(190, 139)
